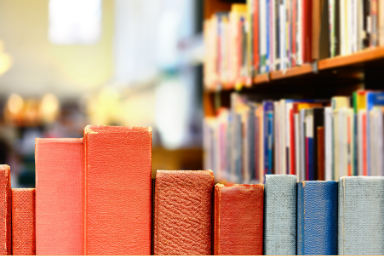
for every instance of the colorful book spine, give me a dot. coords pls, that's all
(183, 207)
(317, 217)
(360, 223)
(5, 210)
(280, 215)
(238, 223)
(23, 222)
(59, 196)
(268, 137)
(118, 192)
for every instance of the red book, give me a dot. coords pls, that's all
(183, 207)
(307, 30)
(118, 190)
(59, 196)
(238, 224)
(5, 210)
(23, 221)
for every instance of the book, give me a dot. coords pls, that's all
(118, 192)
(59, 196)
(182, 214)
(6, 210)
(317, 217)
(381, 22)
(238, 219)
(328, 143)
(23, 221)
(280, 215)
(360, 223)
(320, 154)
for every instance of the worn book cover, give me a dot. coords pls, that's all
(5, 210)
(23, 221)
(183, 212)
(238, 219)
(118, 189)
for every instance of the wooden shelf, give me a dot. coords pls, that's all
(356, 59)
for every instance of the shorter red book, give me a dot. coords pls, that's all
(23, 221)
(238, 226)
(183, 213)
(5, 210)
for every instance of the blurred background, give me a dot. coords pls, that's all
(68, 63)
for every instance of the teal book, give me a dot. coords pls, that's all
(280, 215)
(361, 216)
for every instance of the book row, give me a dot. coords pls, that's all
(313, 139)
(280, 217)
(267, 35)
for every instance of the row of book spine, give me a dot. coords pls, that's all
(280, 217)
(313, 139)
(267, 35)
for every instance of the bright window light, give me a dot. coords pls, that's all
(74, 21)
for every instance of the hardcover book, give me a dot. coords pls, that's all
(238, 219)
(23, 221)
(5, 210)
(183, 212)
(118, 189)
(280, 215)
(317, 217)
(59, 196)
(361, 210)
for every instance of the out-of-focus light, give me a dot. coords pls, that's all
(15, 104)
(49, 108)
(5, 62)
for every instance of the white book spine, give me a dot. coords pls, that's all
(302, 143)
(297, 149)
(360, 138)
(282, 138)
(381, 22)
(288, 108)
(328, 143)
(277, 137)
(263, 32)
(299, 32)
(282, 37)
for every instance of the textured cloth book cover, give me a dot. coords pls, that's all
(118, 190)
(5, 210)
(280, 215)
(361, 213)
(238, 224)
(317, 217)
(23, 221)
(183, 208)
(59, 196)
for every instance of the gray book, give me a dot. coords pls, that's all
(361, 216)
(280, 215)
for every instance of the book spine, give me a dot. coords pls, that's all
(282, 16)
(361, 207)
(320, 154)
(381, 22)
(263, 35)
(317, 217)
(277, 59)
(328, 130)
(6, 210)
(280, 211)
(23, 222)
(181, 198)
(118, 167)
(267, 35)
(256, 41)
(59, 166)
(246, 202)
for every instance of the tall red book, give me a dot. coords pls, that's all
(59, 196)
(238, 224)
(183, 207)
(5, 210)
(118, 190)
(23, 221)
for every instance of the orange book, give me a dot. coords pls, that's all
(118, 190)
(23, 221)
(59, 196)
(5, 210)
(320, 154)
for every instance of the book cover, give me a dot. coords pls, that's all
(360, 223)
(238, 219)
(23, 221)
(59, 224)
(182, 214)
(280, 215)
(317, 217)
(118, 194)
(6, 210)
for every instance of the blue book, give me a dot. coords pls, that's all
(361, 216)
(317, 217)
(268, 136)
(280, 215)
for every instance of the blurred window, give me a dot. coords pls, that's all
(74, 21)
